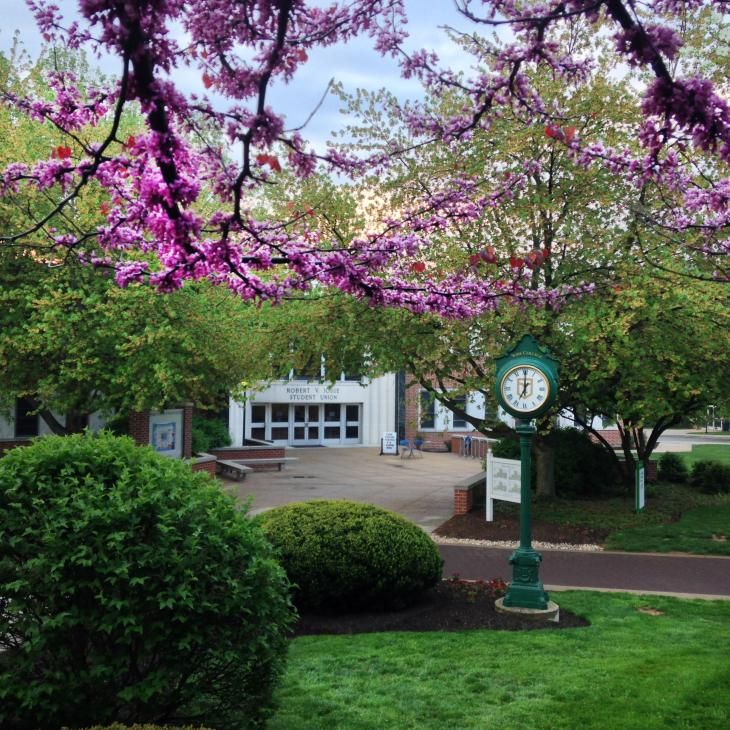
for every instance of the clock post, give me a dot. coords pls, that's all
(526, 387)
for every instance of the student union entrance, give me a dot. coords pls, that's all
(307, 424)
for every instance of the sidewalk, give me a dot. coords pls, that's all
(688, 576)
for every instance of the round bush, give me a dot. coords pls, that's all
(712, 477)
(343, 555)
(672, 468)
(131, 590)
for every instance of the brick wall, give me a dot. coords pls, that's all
(206, 464)
(249, 452)
(469, 492)
(463, 500)
(187, 430)
(412, 396)
(13, 443)
(139, 427)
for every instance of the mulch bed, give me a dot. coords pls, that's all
(473, 526)
(453, 605)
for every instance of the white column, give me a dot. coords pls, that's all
(236, 411)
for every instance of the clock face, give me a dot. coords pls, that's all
(525, 389)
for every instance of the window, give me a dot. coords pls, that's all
(458, 421)
(26, 424)
(332, 412)
(258, 414)
(428, 410)
(280, 413)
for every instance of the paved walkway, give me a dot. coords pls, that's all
(681, 575)
(421, 489)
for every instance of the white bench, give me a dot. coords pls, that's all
(278, 460)
(232, 469)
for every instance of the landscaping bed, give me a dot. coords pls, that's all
(676, 518)
(506, 528)
(453, 605)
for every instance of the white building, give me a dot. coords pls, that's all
(295, 412)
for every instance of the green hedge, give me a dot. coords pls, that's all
(132, 589)
(209, 433)
(118, 726)
(672, 468)
(582, 468)
(712, 477)
(345, 555)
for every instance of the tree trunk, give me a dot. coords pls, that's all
(53, 423)
(75, 422)
(544, 467)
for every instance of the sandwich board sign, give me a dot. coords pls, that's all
(389, 443)
(503, 482)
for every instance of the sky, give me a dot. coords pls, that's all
(355, 65)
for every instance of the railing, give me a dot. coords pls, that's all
(474, 447)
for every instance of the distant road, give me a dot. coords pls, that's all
(676, 440)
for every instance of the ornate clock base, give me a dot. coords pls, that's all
(526, 590)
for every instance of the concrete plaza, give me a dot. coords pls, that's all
(419, 488)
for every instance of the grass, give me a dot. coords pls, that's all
(629, 669)
(702, 531)
(663, 503)
(706, 452)
(704, 519)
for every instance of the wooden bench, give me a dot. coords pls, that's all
(232, 469)
(278, 461)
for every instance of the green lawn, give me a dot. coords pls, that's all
(703, 531)
(629, 669)
(706, 452)
(663, 503)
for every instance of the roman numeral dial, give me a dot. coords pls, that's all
(525, 389)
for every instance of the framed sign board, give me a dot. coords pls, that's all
(503, 482)
(389, 443)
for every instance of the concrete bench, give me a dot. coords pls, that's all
(232, 469)
(278, 461)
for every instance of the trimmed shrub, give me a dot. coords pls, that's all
(118, 726)
(711, 477)
(343, 555)
(672, 468)
(582, 467)
(506, 448)
(209, 433)
(132, 589)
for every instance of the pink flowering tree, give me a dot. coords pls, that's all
(160, 225)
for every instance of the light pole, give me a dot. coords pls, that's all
(708, 417)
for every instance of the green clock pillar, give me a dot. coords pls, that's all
(526, 387)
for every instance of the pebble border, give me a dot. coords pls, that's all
(569, 547)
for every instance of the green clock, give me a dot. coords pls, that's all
(527, 380)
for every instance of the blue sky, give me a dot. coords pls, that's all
(355, 65)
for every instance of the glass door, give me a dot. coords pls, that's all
(333, 423)
(306, 425)
(352, 423)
